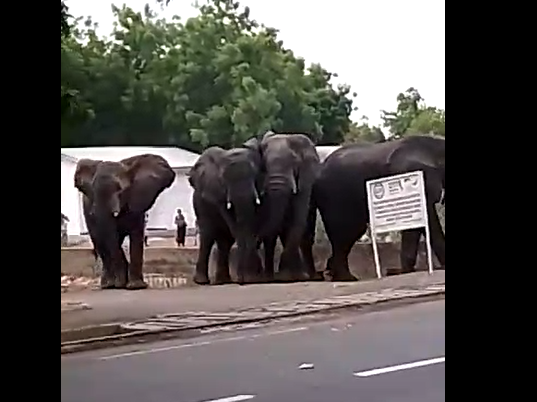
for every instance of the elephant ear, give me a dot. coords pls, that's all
(149, 176)
(205, 177)
(194, 176)
(84, 173)
(268, 134)
(254, 145)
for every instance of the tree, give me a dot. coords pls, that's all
(64, 16)
(216, 79)
(363, 132)
(414, 117)
(430, 120)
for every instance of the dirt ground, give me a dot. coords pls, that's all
(169, 260)
(99, 307)
(159, 242)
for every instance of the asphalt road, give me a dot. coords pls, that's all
(395, 355)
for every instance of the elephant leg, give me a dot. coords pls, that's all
(343, 230)
(207, 240)
(102, 251)
(224, 245)
(269, 247)
(250, 269)
(135, 273)
(290, 262)
(107, 274)
(108, 280)
(306, 246)
(121, 268)
(337, 269)
(438, 238)
(290, 267)
(410, 241)
(249, 266)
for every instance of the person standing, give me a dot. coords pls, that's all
(64, 236)
(181, 225)
(64, 221)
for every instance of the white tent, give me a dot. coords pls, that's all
(161, 216)
(325, 150)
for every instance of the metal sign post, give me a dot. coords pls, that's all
(398, 203)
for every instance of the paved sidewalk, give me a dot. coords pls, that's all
(102, 307)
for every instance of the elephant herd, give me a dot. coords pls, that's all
(267, 189)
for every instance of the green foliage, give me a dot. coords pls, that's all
(414, 117)
(216, 79)
(64, 16)
(363, 132)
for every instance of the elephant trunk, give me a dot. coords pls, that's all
(275, 212)
(108, 235)
(280, 187)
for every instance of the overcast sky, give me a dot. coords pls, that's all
(379, 47)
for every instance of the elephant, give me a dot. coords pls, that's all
(290, 168)
(116, 196)
(340, 196)
(226, 203)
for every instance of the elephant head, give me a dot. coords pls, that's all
(290, 166)
(114, 188)
(425, 153)
(227, 179)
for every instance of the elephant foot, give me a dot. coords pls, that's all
(250, 279)
(222, 279)
(107, 283)
(316, 276)
(139, 284)
(201, 279)
(340, 277)
(120, 283)
(399, 271)
(268, 277)
(286, 276)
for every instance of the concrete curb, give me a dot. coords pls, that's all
(176, 325)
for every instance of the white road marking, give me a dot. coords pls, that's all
(204, 343)
(238, 398)
(400, 367)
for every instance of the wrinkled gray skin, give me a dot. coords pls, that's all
(116, 197)
(226, 202)
(290, 167)
(340, 195)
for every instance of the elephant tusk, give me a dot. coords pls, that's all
(116, 214)
(228, 205)
(295, 187)
(257, 200)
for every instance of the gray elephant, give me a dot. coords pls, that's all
(116, 197)
(340, 195)
(290, 167)
(226, 203)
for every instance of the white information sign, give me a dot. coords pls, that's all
(398, 203)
